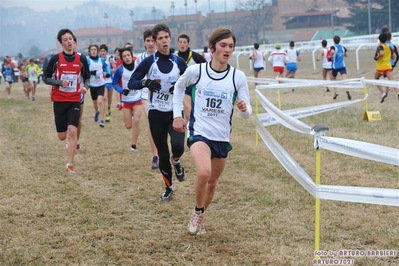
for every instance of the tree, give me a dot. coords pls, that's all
(378, 13)
(260, 14)
(34, 52)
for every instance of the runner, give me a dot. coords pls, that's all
(8, 73)
(64, 73)
(131, 99)
(98, 71)
(150, 49)
(217, 86)
(33, 70)
(162, 70)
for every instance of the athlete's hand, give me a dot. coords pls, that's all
(65, 83)
(125, 91)
(152, 85)
(179, 124)
(82, 90)
(242, 106)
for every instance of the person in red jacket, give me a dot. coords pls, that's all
(65, 72)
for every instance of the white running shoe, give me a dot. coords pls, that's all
(196, 222)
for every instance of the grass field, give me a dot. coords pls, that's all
(110, 213)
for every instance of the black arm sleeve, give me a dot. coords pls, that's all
(85, 71)
(198, 58)
(396, 53)
(49, 71)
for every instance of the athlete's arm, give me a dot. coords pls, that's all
(49, 71)
(243, 102)
(116, 78)
(135, 82)
(187, 79)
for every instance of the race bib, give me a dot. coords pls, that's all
(212, 103)
(8, 78)
(72, 82)
(162, 101)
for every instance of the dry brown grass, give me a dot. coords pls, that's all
(109, 214)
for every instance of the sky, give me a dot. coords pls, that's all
(46, 5)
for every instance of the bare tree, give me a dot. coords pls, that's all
(261, 13)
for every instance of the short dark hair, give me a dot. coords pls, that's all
(337, 39)
(184, 36)
(220, 34)
(64, 31)
(383, 37)
(128, 44)
(389, 36)
(92, 45)
(256, 45)
(159, 27)
(205, 48)
(121, 50)
(147, 33)
(324, 43)
(292, 44)
(104, 46)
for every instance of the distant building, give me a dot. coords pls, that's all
(282, 15)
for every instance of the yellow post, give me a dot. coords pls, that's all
(317, 208)
(257, 113)
(278, 99)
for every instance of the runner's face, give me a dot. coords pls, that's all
(93, 51)
(150, 44)
(67, 42)
(127, 57)
(223, 50)
(163, 42)
(183, 44)
(103, 53)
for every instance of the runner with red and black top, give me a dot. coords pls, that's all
(65, 72)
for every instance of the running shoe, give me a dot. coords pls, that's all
(133, 147)
(70, 169)
(179, 170)
(383, 96)
(327, 90)
(155, 162)
(202, 230)
(78, 146)
(167, 195)
(96, 114)
(349, 95)
(102, 123)
(107, 118)
(335, 95)
(109, 110)
(33, 98)
(196, 222)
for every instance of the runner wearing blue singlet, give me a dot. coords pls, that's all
(338, 54)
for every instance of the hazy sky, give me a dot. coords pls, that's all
(44, 5)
